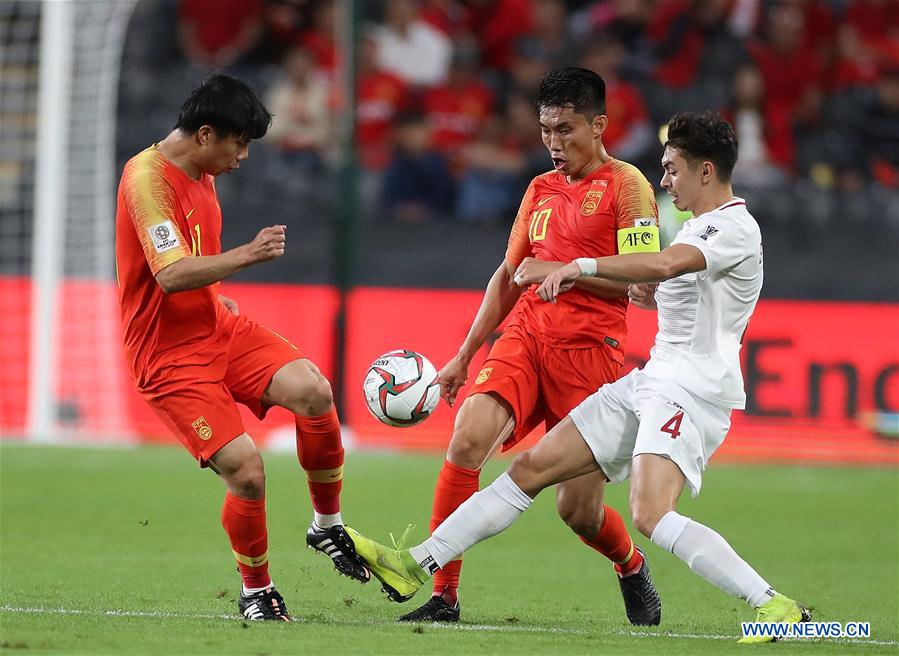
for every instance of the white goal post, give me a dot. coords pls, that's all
(59, 76)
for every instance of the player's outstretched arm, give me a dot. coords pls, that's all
(674, 261)
(202, 270)
(499, 299)
(602, 288)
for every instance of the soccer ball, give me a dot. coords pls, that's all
(401, 388)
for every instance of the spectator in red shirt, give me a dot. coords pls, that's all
(498, 25)
(458, 108)
(877, 23)
(792, 71)
(284, 21)
(855, 63)
(320, 39)
(380, 98)
(680, 31)
(448, 16)
(767, 148)
(629, 134)
(218, 33)
(874, 19)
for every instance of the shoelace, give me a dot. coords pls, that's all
(401, 543)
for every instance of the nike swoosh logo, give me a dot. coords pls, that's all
(548, 198)
(189, 213)
(382, 562)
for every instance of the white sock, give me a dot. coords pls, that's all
(250, 591)
(327, 521)
(483, 515)
(709, 555)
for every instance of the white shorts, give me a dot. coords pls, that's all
(640, 414)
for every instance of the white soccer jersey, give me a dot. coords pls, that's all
(703, 315)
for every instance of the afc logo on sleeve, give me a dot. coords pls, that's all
(164, 236)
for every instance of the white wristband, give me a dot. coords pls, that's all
(587, 265)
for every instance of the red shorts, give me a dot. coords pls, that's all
(542, 382)
(197, 396)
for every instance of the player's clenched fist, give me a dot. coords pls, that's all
(452, 377)
(560, 280)
(643, 295)
(269, 243)
(533, 271)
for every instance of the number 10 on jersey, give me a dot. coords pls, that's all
(539, 222)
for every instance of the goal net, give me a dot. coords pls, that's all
(61, 368)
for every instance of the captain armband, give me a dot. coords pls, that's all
(639, 239)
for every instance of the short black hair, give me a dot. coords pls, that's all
(579, 88)
(230, 106)
(706, 137)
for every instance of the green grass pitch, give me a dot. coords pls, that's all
(120, 551)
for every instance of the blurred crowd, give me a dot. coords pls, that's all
(445, 119)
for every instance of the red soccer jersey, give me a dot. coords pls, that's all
(559, 221)
(380, 96)
(162, 216)
(624, 107)
(455, 115)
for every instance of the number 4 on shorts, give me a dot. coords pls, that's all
(672, 426)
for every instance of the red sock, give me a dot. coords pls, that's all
(454, 485)
(614, 542)
(244, 522)
(320, 452)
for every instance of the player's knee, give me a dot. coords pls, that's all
(314, 397)
(526, 474)
(249, 480)
(581, 515)
(466, 448)
(646, 514)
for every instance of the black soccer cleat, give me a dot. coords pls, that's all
(434, 609)
(337, 545)
(265, 605)
(641, 599)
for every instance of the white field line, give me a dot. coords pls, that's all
(449, 627)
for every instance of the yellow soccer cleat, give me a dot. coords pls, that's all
(779, 610)
(399, 574)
